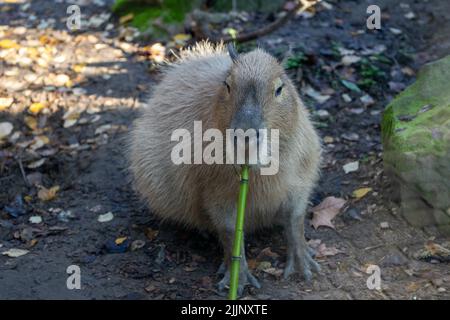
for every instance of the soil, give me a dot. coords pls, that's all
(91, 168)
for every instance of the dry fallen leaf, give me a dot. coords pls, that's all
(350, 59)
(69, 123)
(181, 38)
(14, 253)
(126, 18)
(62, 80)
(36, 107)
(395, 31)
(320, 98)
(433, 251)
(48, 194)
(103, 129)
(326, 211)
(120, 240)
(151, 234)
(39, 142)
(31, 122)
(361, 192)
(408, 71)
(412, 287)
(264, 265)
(5, 103)
(32, 243)
(266, 253)
(105, 217)
(351, 167)
(47, 40)
(324, 251)
(252, 264)
(8, 44)
(189, 268)
(437, 249)
(36, 164)
(70, 118)
(78, 68)
(157, 52)
(277, 273)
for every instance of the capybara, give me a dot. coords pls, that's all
(226, 90)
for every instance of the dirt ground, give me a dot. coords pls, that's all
(87, 160)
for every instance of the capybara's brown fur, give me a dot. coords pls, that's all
(251, 89)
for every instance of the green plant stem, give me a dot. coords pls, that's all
(238, 234)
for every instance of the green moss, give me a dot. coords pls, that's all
(170, 11)
(295, 61)
(387, 124)
(407, 125)
(415, 135)
(409, 120)
(370, 73)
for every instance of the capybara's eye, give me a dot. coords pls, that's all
(228, 86)
(278, 91)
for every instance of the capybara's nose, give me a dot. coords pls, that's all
(248, 117)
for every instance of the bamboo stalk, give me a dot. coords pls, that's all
(238, 234)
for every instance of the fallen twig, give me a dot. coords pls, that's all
(301, 6)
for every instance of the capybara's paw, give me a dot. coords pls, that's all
(302, 261)
(245, 278)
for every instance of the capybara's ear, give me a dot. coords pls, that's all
(232, 52)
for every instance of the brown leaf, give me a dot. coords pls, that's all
(324, 251)
(48, 194)
(266, 253)
(151, 234)
(31, 122)
(252, 264)
(412, 287)
(126, 18)
(32, 243)
(276, 272)
(433, 251)
(436, 249)
(326, 211)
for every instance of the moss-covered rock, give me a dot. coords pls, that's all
(416, 140)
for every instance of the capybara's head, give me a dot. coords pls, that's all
(257, 94)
